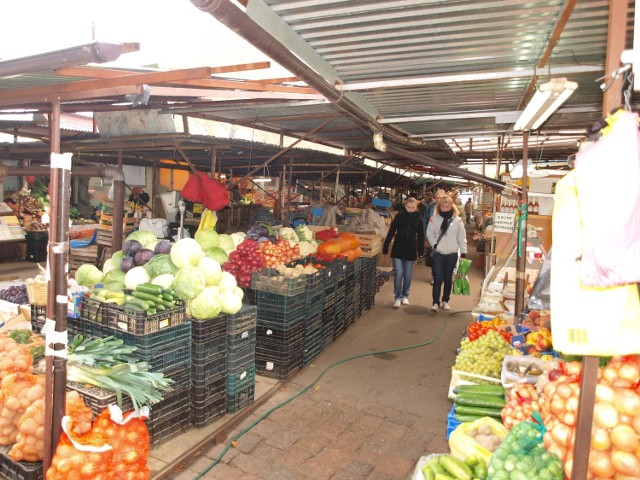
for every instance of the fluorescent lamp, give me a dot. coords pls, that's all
(261, 180)
(546, 100)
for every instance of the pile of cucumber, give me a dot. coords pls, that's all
(448, 467)
(150, 299)
(146, 298)
(476, 401)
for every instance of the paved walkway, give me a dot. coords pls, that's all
(370, 418)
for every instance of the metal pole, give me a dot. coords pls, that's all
(523, 202)
(56, 366)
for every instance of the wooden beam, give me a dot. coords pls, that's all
(50, 91)
(98, 72)
(229, 94)
(90, 72)
(115, 93)
(616, 38)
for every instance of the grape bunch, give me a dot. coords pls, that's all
(15, 294)
(483, 356)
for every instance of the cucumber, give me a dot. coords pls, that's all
(455, 467)
(480, 469)
(118, 301)
(479, 400)
(427, 473)
(134, 307)
(147, 297)
(435, 467)
(142, 304)
(151, 311)
(111, 294)
(168, 297)
(150, 288)
(496, 390)
(443, 476)
(479, 411)
(467, 418)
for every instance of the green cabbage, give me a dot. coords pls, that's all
(207, 239)
(108, 266)
(189, 282)
(227, 282)
(165, 280)
(114, 276)
(159, 265)
(186, 253)
(135, 277)
(237, 238)
(143, 236)
(211, 269)
(230, 302)
(116, 258)
(205, 306)
(88, 275)
(218, 254)
(226, 243)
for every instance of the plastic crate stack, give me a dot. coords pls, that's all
(357, 287)
(340, 313)
(368, 282)
(280, 325)
(351, 295)
(241, 358)
(163, 341)
(313, 337)
(208, 370)
(328, 308)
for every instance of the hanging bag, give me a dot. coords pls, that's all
(611, 224)
(431, 251)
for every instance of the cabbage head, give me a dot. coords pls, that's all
(205, 306)
(135, 277)
(186, 253)
(144, 237)
(116, 258)
(165, 280)
(108, 266)
(189, 282)
(159, 265)
(227, 282)
(230, 302)
(114, 276)
(88, 275)
(218, 254)
(207, 239)
(226, 242)
(211, 269)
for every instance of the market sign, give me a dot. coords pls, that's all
(504, 222)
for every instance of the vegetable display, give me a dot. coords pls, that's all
(448, 467)
(245, 260)
(17, 392)
(477, 439)
(483, 356)
(523, 401)
(477, 401)
(615, 434)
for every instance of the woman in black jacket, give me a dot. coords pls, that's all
(408, 231)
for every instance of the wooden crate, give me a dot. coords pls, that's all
(370, 244)
(79, 256)
(106, 223)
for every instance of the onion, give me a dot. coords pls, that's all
(610, 374)
(635, 423)
(629, 371)
(627, 402)
(600, 464)
(564, 391)
(600, 439)
(604, 393)
(625, 463)
(605, 415)
(624, 438)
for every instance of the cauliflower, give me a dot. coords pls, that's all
(287, 233)
(307, 248)
(304, 233)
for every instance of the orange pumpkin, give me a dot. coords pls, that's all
(353, 240)
(330, 247)
(352, 254)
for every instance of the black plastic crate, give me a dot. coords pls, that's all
(250, 296)
(241, 340)
(203, 414)
(239, 380)
(316, 281)
(139, 323)
(202, 392)
(166, 427)
(95, 311)
(280, 317)
(242, 320)
(13, 470)
(203, 352)
(280, 370)
(280, 338)
(241, 359)
(210, 329)
(241, 399)
(207, 372)
(311, 354)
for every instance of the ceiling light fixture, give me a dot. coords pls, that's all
(547, 99)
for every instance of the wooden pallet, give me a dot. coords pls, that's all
(79, 256)
(370, 244)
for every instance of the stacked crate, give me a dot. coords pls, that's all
(208, 370)
(357, 285)
(368, 283)
(241, 358)
(280, 325)
(313, 336)
(163, 341)
(350, 294)
(340, 301)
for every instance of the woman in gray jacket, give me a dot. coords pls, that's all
(447, 235)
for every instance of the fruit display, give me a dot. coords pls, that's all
(476, 330)
(483, 356)
(535, 319)
(541, 339)
(15, 294)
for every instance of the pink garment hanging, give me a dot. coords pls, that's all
(608, 188)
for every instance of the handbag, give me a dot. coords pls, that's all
(431, 251)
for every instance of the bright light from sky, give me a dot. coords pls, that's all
(172, 33)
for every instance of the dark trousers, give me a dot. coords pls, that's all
(442, 268)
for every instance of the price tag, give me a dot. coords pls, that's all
(504, 222)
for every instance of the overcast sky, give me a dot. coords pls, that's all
(171, 33)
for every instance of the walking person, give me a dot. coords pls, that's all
(429, 207)
(468, 209)
(407, 233)
(447, 235)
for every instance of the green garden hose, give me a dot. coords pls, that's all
(236, 437)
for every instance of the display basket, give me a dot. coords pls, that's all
(37, 293)
(139, 323)
(269, 280)
(452, 423)
(95, 311)
(9, 468)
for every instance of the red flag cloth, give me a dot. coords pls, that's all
(208, 191)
